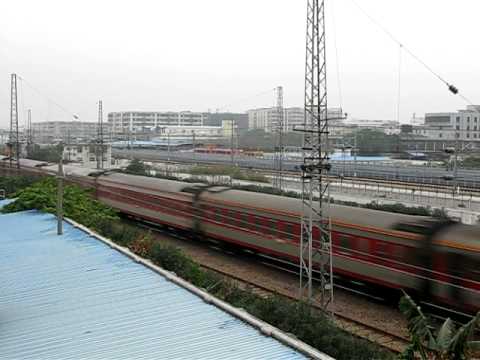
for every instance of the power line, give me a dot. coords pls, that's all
(49, 99)
(337, 60)
(453, 89)
(399, 90)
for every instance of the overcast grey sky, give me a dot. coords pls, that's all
(199, 55)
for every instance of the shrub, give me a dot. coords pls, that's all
(12, 184)
(77, 203)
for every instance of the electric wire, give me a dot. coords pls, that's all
(451, 87)
(399, 90)
(49, 99)
(337, 60)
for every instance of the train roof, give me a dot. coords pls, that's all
(145, 182)
(464, 235)
(340, 213)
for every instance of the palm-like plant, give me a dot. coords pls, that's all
(448, 343)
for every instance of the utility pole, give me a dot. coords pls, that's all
(232, 136)
(193, 145)
(279, 150)
(168, 145)
(14, 141)
(100, 147)
(316, 242)
(29, 132)
(60, 192)
(355, 150)
(455, 168)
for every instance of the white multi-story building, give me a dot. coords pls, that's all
(293, 117)
(462, 125)
(137, 121)
(66, 131)
(389, 127)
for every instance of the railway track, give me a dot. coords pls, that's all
(407, 185)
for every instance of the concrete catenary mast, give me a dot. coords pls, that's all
(315, 243)
(279, 147)
(14, 140)
(100, 139)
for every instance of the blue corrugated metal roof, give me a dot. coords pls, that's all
(72, 296)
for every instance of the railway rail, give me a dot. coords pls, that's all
(463, 190)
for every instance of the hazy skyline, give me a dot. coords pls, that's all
(229, 55)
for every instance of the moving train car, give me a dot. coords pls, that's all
(440, 260)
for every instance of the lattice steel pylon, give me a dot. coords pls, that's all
(14, 140)
(316, 241)
(100, 140)
(279, 148)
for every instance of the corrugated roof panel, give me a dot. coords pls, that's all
(72, 296)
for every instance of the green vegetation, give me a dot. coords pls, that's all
(447, 342)
(471, 162)
(12, 184)
(77, 205)
(137, 167)
(375, 142)
(292, 317)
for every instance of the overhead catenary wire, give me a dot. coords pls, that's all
(399, 89)
(337, 59)
(49, 99)
(453, 89)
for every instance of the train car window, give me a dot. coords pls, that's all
(244, 220)
(218, 215)
(231, 218)
(258, 224)
(288, 232)
(272, 227)
(396, 252)
(344, 241)
(381, 249)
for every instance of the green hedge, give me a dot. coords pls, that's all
(77, 203)
(12, 184)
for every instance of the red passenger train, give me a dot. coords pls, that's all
(440, 260)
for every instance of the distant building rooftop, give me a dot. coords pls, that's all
(73, 296)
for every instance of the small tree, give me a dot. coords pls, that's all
(448, 343)
(136, 167)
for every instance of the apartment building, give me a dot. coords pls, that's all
(138, 121)
(462, 125)
(66, 131)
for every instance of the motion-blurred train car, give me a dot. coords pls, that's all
(438, 260)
